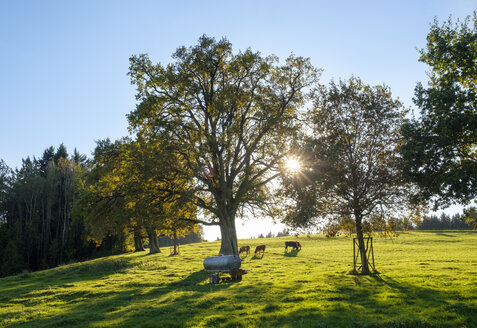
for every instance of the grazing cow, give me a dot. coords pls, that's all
(295, 244)
(260, 248)
(244, 249)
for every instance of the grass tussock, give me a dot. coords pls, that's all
(427, 279)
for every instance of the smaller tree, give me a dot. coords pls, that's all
(134, 187)
(349, 163)
(101, 203)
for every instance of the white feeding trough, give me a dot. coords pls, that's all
(230, 264)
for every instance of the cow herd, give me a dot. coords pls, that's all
(260, 249)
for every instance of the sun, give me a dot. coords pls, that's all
(292, 164)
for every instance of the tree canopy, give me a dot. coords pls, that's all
(440, 146)
(134, 187)
(349, 163)
(228, 117)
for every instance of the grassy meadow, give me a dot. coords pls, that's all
(427, 279)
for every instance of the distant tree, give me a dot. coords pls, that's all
(44, 161)
(470, 216)
(331, 229)
(61, 152)
(283, 233)
(134, 186)
(439, 147)
(227, 116)
(349, 163)
(79, 158)
(445, 222)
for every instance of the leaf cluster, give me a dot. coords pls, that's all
(440, 148)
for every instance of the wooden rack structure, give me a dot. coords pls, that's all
(369, 253)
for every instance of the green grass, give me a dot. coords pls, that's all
(427, 279)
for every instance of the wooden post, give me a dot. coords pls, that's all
(369, 253)
(354, 254)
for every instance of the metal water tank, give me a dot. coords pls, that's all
(222, 263)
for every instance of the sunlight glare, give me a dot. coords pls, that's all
(292, 164)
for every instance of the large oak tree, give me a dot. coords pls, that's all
(227, 116)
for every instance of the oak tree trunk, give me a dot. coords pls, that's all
(229, 244)
(138, 246)
(153, 242)
(175, 242)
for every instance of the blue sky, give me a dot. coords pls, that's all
(65, 63)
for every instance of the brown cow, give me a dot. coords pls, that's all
(295, 244)
(260, 248)
(244, 249)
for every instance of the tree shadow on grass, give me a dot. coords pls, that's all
(169, 305)
(62, 276)
(374, 301)
(199, 281)
(406, 305)
(445, 234)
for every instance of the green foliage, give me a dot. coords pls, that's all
(61, 152)
(349, 162)
(227, 117)
(36, 201)
(48, 156)
(439, 148)
(13, 254)
(470, 215)
(419, 286)
(350, 166)
(134, 187)
(79, 158)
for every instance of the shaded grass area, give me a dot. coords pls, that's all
(428, 279)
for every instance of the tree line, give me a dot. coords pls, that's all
(446, 222)
(48, 215)
(39, 228)
(218, 134)
(392, 227)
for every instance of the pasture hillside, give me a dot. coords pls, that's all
(427, 279)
